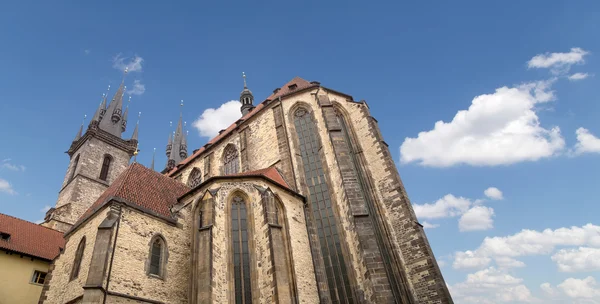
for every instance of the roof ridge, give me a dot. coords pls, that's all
(26, 221)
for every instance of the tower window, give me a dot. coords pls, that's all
(105, 166)
(231, 161)
(157, 258)
(241, 254)
(75, 163)
(78, 257)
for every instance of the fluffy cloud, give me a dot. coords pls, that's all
(6, 164)
(497, 129)
(578, 76)
(477, 218)
(586, 142)
(6, 187)
(577, 288)
(447, 206)
(133, 65)
(138, 88)
(491, 286)
(214, 120)
(527, 243)
(577, 260)
(493, 193)
(558, 63)
(427, 225)
(547, 288)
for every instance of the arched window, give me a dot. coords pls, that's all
(231, 160)
(75, 163)
(105, 166)
(195, 178)
(241, 254)
(158, 257)
(77, 260)
(321, 207)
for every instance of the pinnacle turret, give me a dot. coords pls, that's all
(177, 147)
(246, 98)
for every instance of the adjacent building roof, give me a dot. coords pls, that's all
(30, 239)
(270, 173)
(140, 188)
(295, 85)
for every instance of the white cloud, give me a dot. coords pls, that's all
(6, 187)
(134, 65)
(491, 286)
(527, 243)
(507, 262)
(138, 88)
(447, 206)
(493, 193)
(578, 76)
(214, 120)
(497, 129)
(441, 263)
(577, 288)
(10, 166)
(87, 52)
(469, 259)
(45, 209)
(547, 288)
(428, 225)
(477, 218)
(586, 142)
(558, 63)
(578, 260)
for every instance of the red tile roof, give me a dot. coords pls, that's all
(300, 84)
(270, 173)
(143, 188)
(29, 238)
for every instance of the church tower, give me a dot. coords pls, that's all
(97, 157)
(246, 98)
(177, 146)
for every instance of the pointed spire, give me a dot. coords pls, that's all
(170, 143)
(179, 139)
(78, 136)
(153, 155)
(110, 122)
(137, 125)
(246, 98)
(124, 121)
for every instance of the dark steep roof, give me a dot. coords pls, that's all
(30, 239)
(140, 188)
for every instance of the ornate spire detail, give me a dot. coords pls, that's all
(246, 98)
(78, 136)
(153, 156)
(113, 123)
(100, 111)
(124, 121)
(177, 146)
(137, 125)
(170, 143)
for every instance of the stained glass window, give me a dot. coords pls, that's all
(241, 254)
(323, 214)
(78, 257)
(231, 160)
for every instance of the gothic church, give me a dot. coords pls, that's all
(298, 201)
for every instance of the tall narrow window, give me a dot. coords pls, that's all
(323, 214)
(231, 160)
(105, 166)
(195, 178)
(77, 260)
(75, 163)
(157, 257)
(241, 254)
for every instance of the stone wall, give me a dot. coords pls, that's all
(129, 270)
(60, 288)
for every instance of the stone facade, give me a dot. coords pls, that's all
(339, 198)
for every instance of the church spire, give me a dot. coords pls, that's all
(246, 98)
(153, 155)
(111, 122)
(101, 109)
(137, 125)
(78, 136)
(124, 120)
(177, 146)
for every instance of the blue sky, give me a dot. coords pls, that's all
(414, 63)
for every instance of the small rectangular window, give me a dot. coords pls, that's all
(4, 236)
(38, 277)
